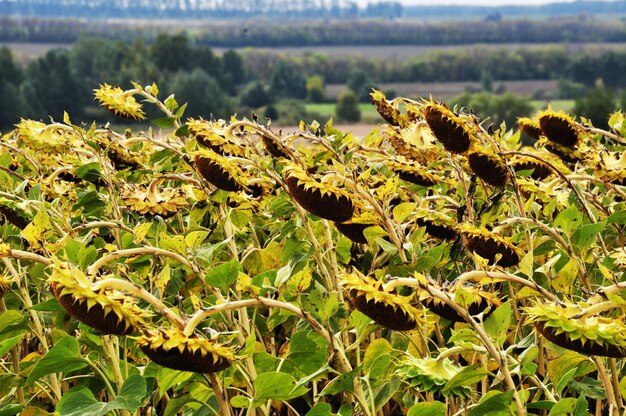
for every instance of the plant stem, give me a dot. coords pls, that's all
(131, 252)
(15, 358)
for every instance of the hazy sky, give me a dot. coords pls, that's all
(473, 2)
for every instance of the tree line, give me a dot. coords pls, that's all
(241, 82)
(265, 33)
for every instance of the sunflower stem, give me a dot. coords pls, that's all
(140, 251)
(606, 382)
(219, 394)
(597, 308)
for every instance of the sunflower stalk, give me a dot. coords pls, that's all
(141, 251)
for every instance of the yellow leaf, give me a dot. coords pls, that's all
(526, 265)
(195, 301)
(300, 281)
(140, 231)
(163, 279)
(5, 250)
(565, 278)
(38, 230)
(195, 238)
(402, 211)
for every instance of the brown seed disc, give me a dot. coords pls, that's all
(416, 178)
(452, 135)
(559, 130)
(450, 314)
(566, 157)
(353, 231)
(185, 361)
(488, 168)
(120, 161)
(590, 347)
(438, 231)
(216, 175)
(531, 131)
(383, 314)
(488, 248)
(330, 206)
(273, 148)
(540, 171)
(94, 317)
(13, 217)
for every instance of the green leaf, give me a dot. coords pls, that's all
(584, 236)
(164, 122)
(11, 409)
(320, 409)
(568, 220)
(495, 404)
(498, 322)
(168, 378)
(240, 402)
(9, 343)
(428, 409)
(175, 404)
(564, 381)
(89, 172)
(402, 211)
(465, 378)
(344, 383)
(618, 217)
(565, 278)
(64, 357)
(563, 407)
(224, 275)
(276, 386)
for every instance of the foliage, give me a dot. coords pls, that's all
(597, 104)
(496, 108)
(348, 107)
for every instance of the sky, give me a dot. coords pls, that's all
(469, 2)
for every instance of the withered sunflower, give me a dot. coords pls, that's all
(322, 199)
(173, 349)
(540, 170)
(609, 166)
(275, 149)
(122, 158)
(106, 311)
(119, 102)
(13, 213)
(220, 172)
(413, 173)
(416, 143)
(390, 310)
(570, 155)
(559, 127)
(386, 110)
(489, 167)
(153, 199)
(430, 375)
(591, 335)
(530, 127)
(490, 246)
(354, 228)
(455, 133)
(213, 134)
(43, 138)
(437, 224)
(481, 300)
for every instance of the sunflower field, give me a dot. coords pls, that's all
(437, 266)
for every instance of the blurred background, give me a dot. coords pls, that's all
(303, 59)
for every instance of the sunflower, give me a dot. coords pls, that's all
(413, 173)
(489, 167)
(437, 223)
(416, 143)
(386, 109)
(609, 166)
(40, 137)
(107, 311)
(152, 199)
(540, 169)
(354, 228)
(173, 349)
(430, 375)
(13, 213)
(455, 133)
(390, 310)
(589, 334)
(219, 171)
(119, 102)
(530, 127)
(480, 301)
(123, 158)
(319, 198)
(215, 136)
(571, 155)
(491, 246)
(559, 127)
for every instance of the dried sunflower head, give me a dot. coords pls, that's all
(489, 245)
(438, 224)
(107, 311)
(571, 155)
(171, 348)
(430, 375)
(123, 158)
(489, 167)
(609, 166)
(480, 300)
(14, 213)
(416, 143)
(590, 334)
(216, 136)
(413, 173)
(220, 172)
(454, 132)
(119, 102)
(386, 109)
(390, 310)
(153, 199)
(540, 170)
(354, 228)
(323, 199)
(559, 127)
(530, 127)
(40, 137)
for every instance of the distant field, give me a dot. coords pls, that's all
(30, 51)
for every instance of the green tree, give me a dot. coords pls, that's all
(287, 82)
(232, 64)
(505, 108)
(11, 101)
(360, 83)
(596, 105)
(172, 53)
(202, 94)
(255, 95)
(315, 89)
(348, 107)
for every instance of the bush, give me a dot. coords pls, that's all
(505, 108)
(348, 107)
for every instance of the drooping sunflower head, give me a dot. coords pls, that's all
(489, 167)
(387, 110)
(107, 311)
(123, 158)
(430, 375)
(215, 136)
(119, 102)
(354, 228)
(489, 245)
(171, 348)
(41, 137)
(437, 223)
(476, 301)
(540, 169)
(152, 199)
(569, 155)
(589, 334)
(415, 142)
(559, 127)
(530, 127)
(220, 172)
(413, 173)
(455, 133)
(609, 166)
(321, 198)
(390, 310)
